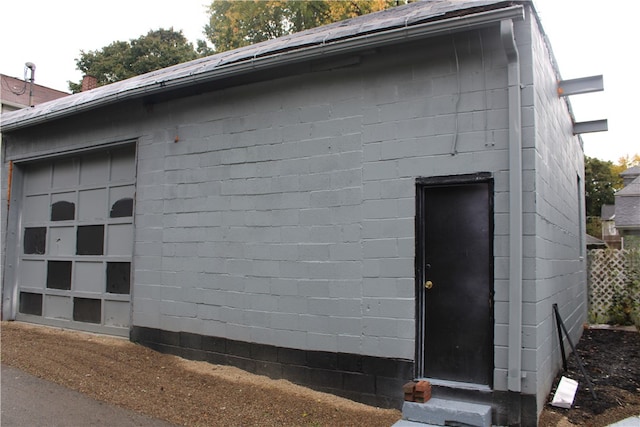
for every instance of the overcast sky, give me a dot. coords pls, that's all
(588, 37)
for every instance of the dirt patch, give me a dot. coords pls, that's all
(611, 359)
(193, 393)
(173, 389)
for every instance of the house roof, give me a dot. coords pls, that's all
(631, 189)
(411, 21)
(628, 206)
(634, 170)
(594, 241)
(15, 92)
(630, 174)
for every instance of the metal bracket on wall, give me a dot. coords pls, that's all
(592, 126)
(581, 85)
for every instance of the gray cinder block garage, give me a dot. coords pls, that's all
(391, 197)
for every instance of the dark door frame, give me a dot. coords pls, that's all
(420, 294)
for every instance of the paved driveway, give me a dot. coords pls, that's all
(30, 401)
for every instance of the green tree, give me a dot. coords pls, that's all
(602, 180)
(601, 183)
(233, 24)
(121, 60)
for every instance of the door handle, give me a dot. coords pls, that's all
(428, 284)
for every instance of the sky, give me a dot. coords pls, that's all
(587, 39)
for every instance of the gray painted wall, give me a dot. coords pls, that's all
(330, 159)
(283, 212)
(555, 241)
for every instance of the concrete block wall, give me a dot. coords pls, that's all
(555, 246)
(282, 213)
(259, 225)
(443, 113)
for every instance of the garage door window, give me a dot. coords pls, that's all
(59, 274)
(63, 211)
(35, 239)
(90, 240)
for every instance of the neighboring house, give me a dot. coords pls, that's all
(627, 207)
(595, 243)
(395, 196)
(610, 233)
(16, 94)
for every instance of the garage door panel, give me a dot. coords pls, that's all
(123, 166)
(36, 208)
(38, 179)
(89, 277)
(92, 205)
(62, 241)
(57, 307)
(116, 313)
(94, 170)
(33, 273)
(65, 173)
(117, 243)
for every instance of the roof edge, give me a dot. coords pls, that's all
(301, 54)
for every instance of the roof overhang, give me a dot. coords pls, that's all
(204, 74)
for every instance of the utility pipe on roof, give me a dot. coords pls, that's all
(514, 361)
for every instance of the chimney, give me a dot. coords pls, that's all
(88, 83)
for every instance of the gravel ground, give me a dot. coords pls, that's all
(167, 387)
(192, 393)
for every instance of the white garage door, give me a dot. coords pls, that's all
(74, 263)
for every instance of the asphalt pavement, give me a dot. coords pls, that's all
(28, 401)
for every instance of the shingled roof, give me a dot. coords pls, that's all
(430, 17)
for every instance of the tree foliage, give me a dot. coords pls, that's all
(600, 184)
(233, 24)
(625, 163)
(602, 180)
(121, 60)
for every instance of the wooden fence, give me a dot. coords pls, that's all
(613, 282)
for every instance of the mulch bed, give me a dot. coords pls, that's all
(611, 359)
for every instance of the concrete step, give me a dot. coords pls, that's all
(407, 423)
(441, 412)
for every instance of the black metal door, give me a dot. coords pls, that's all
(454, 278)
